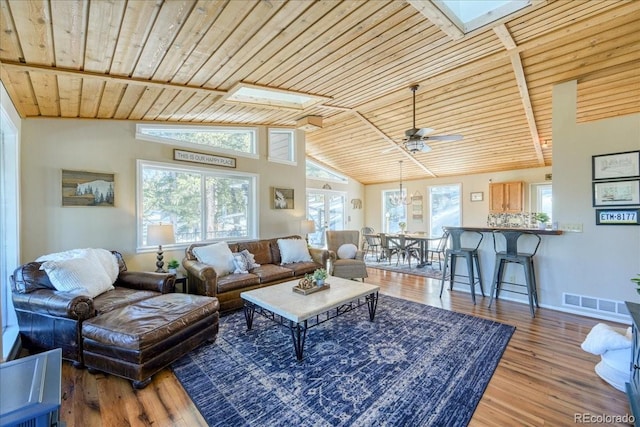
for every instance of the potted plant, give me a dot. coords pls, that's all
(319, 276)
(542, 219)
(173, 266)
(636, 280)
(402, 226)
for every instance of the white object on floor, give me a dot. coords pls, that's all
(614, 347)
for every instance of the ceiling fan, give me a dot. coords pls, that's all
(414, 139)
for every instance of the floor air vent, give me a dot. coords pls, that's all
(605, 306)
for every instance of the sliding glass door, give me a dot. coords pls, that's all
(328, 211)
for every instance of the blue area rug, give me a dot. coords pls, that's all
(415, 365)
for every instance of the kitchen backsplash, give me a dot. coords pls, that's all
(513, 220)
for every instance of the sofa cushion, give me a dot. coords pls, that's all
(120, 297)
(78, 274)
(301, 268)
(218, 255)
(271, 272)
(260, 249)
(237, 281)
(293, 250)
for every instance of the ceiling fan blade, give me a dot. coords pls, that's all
(444, 138)
(425, 148)
(390, 149)
(424, 132)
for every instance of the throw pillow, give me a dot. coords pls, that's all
(217, 255)
(293, 250)
(79, 275)
(108, 262)
(251, 260)
(241, 264)
(347, 251)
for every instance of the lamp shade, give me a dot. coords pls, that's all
(307, 226)
(160, 234)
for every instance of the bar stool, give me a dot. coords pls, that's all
(469, 253)
(513, 254)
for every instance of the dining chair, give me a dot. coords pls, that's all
(370, 242)
(407, 249)
(388, 248)
(438, 250)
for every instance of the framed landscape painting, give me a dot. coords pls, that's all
(82, 188)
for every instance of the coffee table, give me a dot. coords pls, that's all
(300, 312)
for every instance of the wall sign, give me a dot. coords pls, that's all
(618, 216)
(207, 159)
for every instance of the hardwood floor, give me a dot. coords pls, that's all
(544, 377)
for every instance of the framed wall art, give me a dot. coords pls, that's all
(477, 196)
(616, 165)
(616, 193)
(282, 198)
(82, 188)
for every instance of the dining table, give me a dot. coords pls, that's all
(418, 240)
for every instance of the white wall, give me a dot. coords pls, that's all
(50, 145)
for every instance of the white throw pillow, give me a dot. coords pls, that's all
(294, 250)
(347, 251)
(108, 262)
(77, 274)
(217, 255)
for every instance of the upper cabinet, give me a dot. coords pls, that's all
(506, 196)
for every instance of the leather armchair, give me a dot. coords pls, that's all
(53, 319)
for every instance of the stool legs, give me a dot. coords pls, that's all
(529, 277)
(450, 264)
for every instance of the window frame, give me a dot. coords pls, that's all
(254, 154)
(344, 179)
(252, 208)
(292, 154)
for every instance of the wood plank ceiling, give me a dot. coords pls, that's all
(174, 60)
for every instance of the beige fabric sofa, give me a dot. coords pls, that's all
(203, 279)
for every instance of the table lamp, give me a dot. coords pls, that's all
(307, 227)
(160, 234)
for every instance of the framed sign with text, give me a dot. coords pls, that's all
(207, 159)
(618, 216)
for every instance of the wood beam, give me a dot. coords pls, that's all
(437, 18)
(56, 71)
(505, 37)
(392, 142)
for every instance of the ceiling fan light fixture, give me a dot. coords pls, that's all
(413, 146)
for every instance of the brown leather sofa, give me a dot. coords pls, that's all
(132, 331)
(203, 279)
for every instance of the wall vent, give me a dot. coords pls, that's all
(595, 304)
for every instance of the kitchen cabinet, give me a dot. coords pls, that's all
(506, 196)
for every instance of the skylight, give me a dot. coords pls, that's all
(469, 15)
(271, 97)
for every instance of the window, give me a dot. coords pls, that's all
(321, 173)
(393, 214)
(282, 146)
(327, 209)
(9, 241)
(469, 15)
(230, 140)
(244, 93)
(444, 207)
(541, 198)
(200, 203)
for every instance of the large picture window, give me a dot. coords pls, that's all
(444, 207)
(201, 204)
(393, 214)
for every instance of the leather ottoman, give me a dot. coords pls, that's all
(138, 340)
